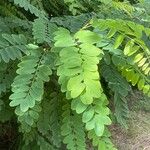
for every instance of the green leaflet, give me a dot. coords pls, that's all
(138, 57)
(118, 60)
(78, 106)
(98, 123)
(142, 62)
(75, 85)
(90, 50)
(86, 36)
(130, 49)
(118, 41)
(59, 38)
(111, 32)
(141, 84)
(88, 115)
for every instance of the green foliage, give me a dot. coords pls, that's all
(72, 129)
(7, 74)
(6, 112)
(79, 76)
(133, 61)
(9, 9)
(28, 6)
(49, 123)
(12, 47)
(28, 87)
(28, 84)
(121, 88)
(102, 143)
(43, 30)
(59, 72)
(78, 6)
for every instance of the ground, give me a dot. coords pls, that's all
(137, 137)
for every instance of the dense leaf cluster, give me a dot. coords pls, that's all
(62, 62)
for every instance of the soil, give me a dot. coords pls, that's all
(137, 136)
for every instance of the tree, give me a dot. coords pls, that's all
(62, 61)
